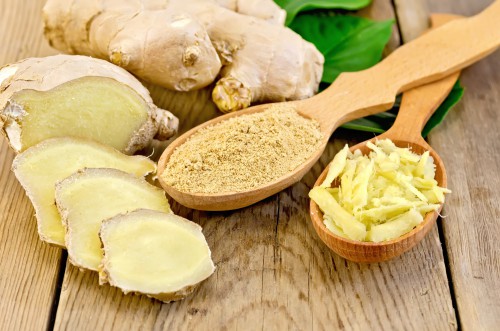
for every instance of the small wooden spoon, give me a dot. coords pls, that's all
(435, 55)
(417, 106)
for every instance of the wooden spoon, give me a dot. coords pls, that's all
(417, 106)
(433, 56)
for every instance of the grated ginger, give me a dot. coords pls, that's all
(381, 196)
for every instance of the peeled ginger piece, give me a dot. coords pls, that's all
(336, 166)
(40, 167)
(158, 254)
(90, 196)
(341, 218)
(395, 228)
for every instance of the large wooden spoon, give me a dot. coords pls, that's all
(433, 56)
(417, 106)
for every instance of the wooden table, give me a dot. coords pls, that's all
(273, 272)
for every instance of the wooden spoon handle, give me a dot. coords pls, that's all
(419, 103)
(433, 56)
(417, 106)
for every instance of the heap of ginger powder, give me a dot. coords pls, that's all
(243, 152)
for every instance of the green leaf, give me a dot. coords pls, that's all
(349, 43)
(293, 7)
(453, 98)
(365, 124)
(378, 123)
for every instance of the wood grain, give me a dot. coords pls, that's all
(413, 18)
(469, 144)
(29, 268)
(273, 273)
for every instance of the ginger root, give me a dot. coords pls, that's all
(161, 255)
(40, 167)
(265, 9)
(90, 196)
(186, 45)
(78, 96)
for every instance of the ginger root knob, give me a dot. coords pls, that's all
(231, 95)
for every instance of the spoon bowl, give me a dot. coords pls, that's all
(370, 252)
(416, 108)
(444, 50)
(231, 200)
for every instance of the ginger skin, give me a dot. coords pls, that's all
(190, 44)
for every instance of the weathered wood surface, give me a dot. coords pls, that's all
(413, 18)
(273, 272)
(28, 268)
(469, 144)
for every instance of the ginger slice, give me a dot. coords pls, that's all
(90, 196)
(41, 166)
(161, 255)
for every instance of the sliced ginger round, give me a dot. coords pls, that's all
(90, 196)
(158, 254)
(40, 167)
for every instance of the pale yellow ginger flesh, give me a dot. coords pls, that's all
(78, 96)
(380, 196)
(90, 196)
(158, 254)
(40, 167)
(96, 108)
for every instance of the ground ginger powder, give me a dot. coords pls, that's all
(243, 152)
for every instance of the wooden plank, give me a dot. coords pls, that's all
(469, 144)
(273, 272)
(29, 268)
(413, 18)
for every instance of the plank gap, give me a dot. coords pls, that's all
(442, 240)
(57, 290)
(396, 19)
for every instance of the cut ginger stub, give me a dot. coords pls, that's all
(97, 108)
(78, 96)
(158, 254)
(90, 196)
